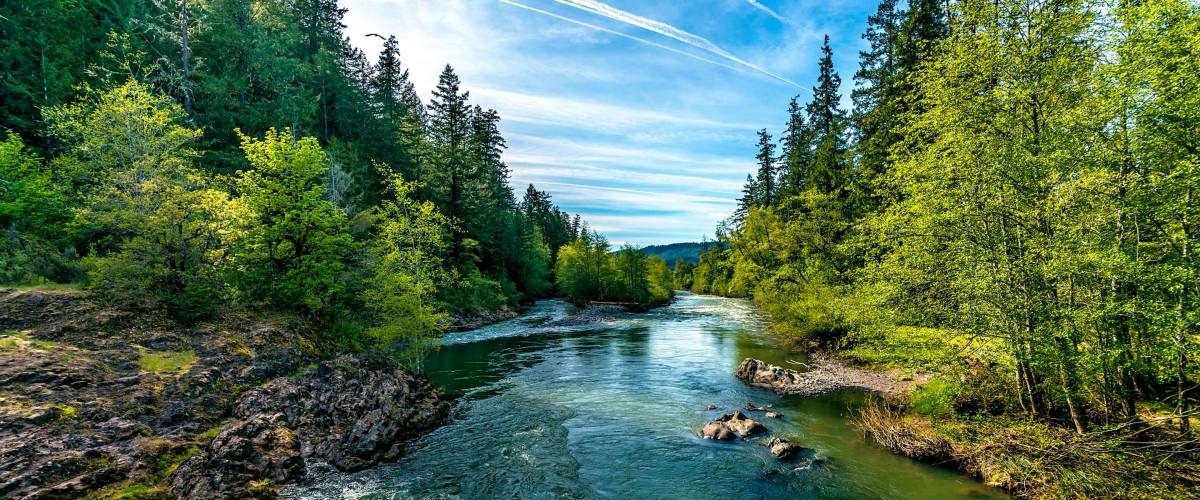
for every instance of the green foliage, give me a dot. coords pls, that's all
(935, 398)
(33, 210)
(581, 268)
(292, 253)
(159, 232)
(991, 220)
(406, 270)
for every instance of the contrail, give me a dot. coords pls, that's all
(767, 10)
(618, 33)
(608, 11)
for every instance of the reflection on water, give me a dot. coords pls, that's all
(611, 410)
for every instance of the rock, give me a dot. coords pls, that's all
(751, 407)
(731, 425)
(824, 377)
(240, 458)
(717, 430)
(744, 426)
(350, 413)
(711, 407)
(782, 448)
(773, 414)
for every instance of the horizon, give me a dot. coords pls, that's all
(642, 118)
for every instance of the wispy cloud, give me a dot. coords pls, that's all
(594, 116)
(767, 10)
(618, 33)
(610, 12)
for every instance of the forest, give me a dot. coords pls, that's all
(188, 156)
(1010, 204)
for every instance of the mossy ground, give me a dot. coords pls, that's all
(167, 361)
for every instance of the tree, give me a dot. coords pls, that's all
(582, 268)
(797, 152)
(825, 116)
(292, 253)
(406, 270)
(450, 129)
(767, 180)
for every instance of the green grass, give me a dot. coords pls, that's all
(924, 349)
(167, 361)
(47, 286)
(12, 340)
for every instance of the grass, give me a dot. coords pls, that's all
(12, 340)
(50, 287)
(167, 361)
(917, 348)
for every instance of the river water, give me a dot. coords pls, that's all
(611, 410)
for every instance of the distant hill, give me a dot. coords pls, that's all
(689, 251)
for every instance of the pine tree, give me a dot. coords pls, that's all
(387, 86)
(450, 129)
(875, 99)
(825, 116)
(797, 152)
(766, 180)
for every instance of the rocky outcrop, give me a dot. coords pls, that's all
(93, 398)
(823, 376)
(350, 413)
(730, 426)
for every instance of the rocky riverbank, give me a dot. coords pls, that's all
(824, 375)
(105, 403)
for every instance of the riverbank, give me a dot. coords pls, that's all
(101, 402)
(941, 410)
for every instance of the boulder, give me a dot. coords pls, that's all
(717, 430)
(782, 448)
(731, 425)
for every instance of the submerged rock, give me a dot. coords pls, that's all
(731, 425)
(783, 449)
(350, 413)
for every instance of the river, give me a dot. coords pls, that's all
(610, 410)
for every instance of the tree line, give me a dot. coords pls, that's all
(185, 155)
(1019, 173)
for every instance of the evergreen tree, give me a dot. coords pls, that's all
(796, 154)
(450, 129)
(827, 170)
(766, 182)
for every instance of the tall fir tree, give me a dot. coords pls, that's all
(826, 117)
(767, 180)
(797, 152)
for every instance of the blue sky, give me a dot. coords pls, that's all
(641, 115)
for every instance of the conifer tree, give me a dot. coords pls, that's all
(797, 152)
(825, 116)
(766, 180)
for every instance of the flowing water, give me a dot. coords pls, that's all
(611, 410)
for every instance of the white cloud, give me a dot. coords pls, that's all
(767, 10)
(610, 12)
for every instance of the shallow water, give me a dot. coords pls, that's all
(611, 411)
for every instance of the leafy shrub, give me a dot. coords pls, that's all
(936, 398)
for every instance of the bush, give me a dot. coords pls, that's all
(936, 398)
